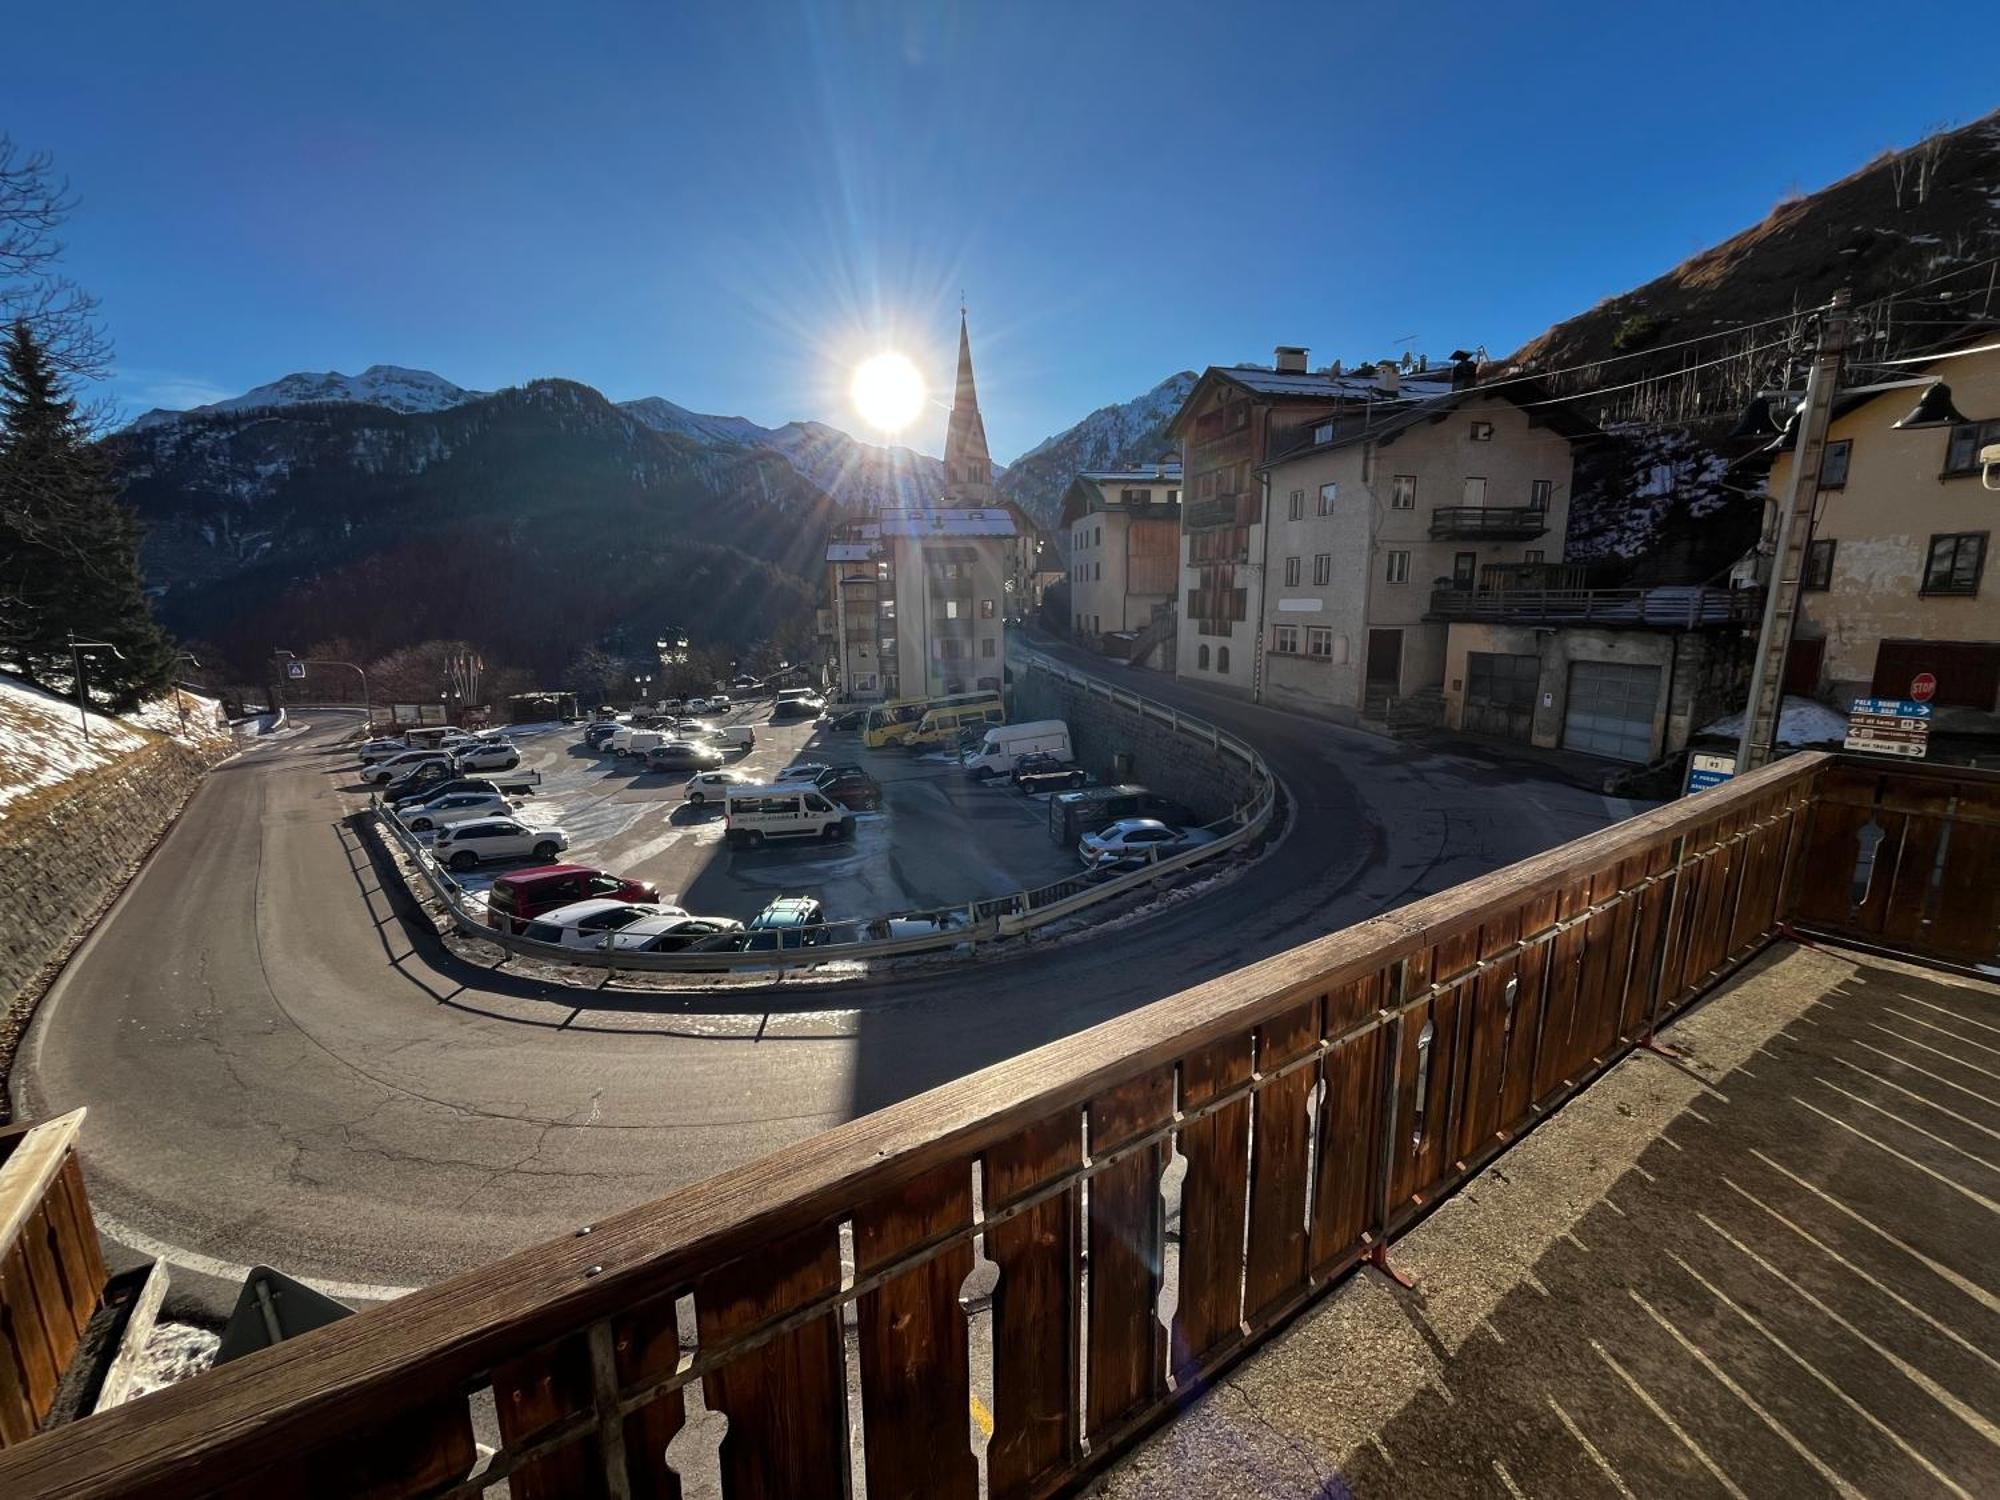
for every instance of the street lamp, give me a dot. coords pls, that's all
(180, 698)
(77, 646)
(367, 705)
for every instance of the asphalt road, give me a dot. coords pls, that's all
(282, 1067)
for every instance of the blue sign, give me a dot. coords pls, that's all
(1893, 708)
(1706, 770)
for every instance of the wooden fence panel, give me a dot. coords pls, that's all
(1491, 1011)
(1560, 996)
(1035, 1425)
(786, 1400)
(1126, 1371)
(1518, 1091)
(77, 1252)
(1208, 1314)
(534, 1393)
(1966, 927)
(1843, 806)
(21, 1323)
(915, 1382)
(1650, 907)
(1600, 975)
(646, 1342)
(1347, 1163)
(1280, 1162)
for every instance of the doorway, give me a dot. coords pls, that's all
(1385, 659)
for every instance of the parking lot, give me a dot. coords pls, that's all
(940, 839)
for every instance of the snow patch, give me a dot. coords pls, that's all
(1802, 721)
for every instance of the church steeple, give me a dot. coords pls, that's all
(968, 467)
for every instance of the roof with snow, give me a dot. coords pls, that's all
(1088, 493)
(1383, 421)
(938, 520)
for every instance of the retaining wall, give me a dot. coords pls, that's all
(1172, 762)
(65, 853)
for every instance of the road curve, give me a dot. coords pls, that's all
(284, 1065)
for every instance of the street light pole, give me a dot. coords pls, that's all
(77, 646)
(367, 703)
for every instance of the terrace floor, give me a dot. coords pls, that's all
(1773, 1269)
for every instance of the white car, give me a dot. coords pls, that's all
(695, 729)
(717, 702)
(668, 934)
(454, 807)
(489, 755)
(706, 785)
(1138, 836)
(375, 750)
(589, 924)
(385, 771)
(461, 846)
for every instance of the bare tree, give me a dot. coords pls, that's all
(34, 203)
(1899, 172)
(1928, 153)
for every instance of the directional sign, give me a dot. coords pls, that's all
(1914, 749)
(295, 669)
(1895, 708)
(1706, 770)
(1889, 726)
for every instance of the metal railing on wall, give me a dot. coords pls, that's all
(891, 935)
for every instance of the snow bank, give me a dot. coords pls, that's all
(1802, 721)
(42, 743)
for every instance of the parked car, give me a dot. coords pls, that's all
(590, 924)
(517, 898)
(805, 707)
(698, 706)
(1001, 746)
(696, 729)
(805, 770)
(385, 771)
(793, 810)
(707, 785)
(598, 733)
(682, 755)
(909, 924)
(454, 807)
(493, 755)
(669, 934)
(1137, 835)
(735, 737)
(1116, 866)
(374, 750)
(435, 787)
(425, 781)
(1039, 771)
(462, 846)
(788, 912)
(851, 787)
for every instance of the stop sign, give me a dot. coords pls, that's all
(1923, 687)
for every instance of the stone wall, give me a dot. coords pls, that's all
(66, 852)
(1114, 742)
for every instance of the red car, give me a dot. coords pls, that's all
(517, 899)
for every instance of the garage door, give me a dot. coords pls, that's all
(1500, 694)
(1610, 709)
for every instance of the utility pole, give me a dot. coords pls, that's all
(1788, 556)
(77, 646)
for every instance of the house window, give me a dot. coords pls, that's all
(1955, 562)
(1475, 490)
(1239, 415)
(1097, 536)
(1319, 642)
(1173, 497)
(986, 647)
(1961, 455)
(951, 609)
(1328, 494)
(1097, 572)
(1201, 658)
(1298, 505)
(1291, 572)
(1399, 567)
(985, 609)
(1482, 432)
(1833, 464)
(1403, 492)
(1323, 567)
(1819, 566)
(1285, 640)
(1222, 658)
(1539, 494)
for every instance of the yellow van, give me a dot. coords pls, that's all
(944, 725)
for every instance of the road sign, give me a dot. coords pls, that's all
(271, 1308)
(1923, 687)
(1913, 749)
(295, 669)
(1889, 726)
(1706, 770)
(1895, 708)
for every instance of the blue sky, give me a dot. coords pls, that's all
(727, 205)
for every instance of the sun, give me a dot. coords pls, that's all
(888, 391)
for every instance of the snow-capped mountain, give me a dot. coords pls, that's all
(662, 415)
(390, 386)
(1112, 437)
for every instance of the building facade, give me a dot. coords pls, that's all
(1121, 538)
(1231, 423)
(1895, 574)
(1376, 511)
(918, 598)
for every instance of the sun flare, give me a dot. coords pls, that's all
(888, 391)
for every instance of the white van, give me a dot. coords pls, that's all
(629, 741)
(734, 737)
(1005, 744)
(753, 814)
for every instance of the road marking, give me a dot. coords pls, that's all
(223, 1270)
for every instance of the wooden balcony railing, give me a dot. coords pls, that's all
(1668, 608)
(51, 1272)
(1473, 523)
(1322, 1099)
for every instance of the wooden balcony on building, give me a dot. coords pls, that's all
(1664, 608)
(1323, 1101)
(1489, 523)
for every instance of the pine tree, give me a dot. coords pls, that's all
(69, 548)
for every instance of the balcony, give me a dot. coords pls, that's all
(1767, 1258)
(1488, 523)
(1666, 608)
(1219, 510)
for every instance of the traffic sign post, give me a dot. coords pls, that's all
(1706, 770)
(1891, 726)
(1923, 687)
(296, 670)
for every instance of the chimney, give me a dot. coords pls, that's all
(1291, 359)
(1388, 378)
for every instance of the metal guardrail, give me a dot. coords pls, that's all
(843, 941)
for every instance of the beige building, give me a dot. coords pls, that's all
(1121, 537)
(918, 599)
(1381, 513)
(1895, 577)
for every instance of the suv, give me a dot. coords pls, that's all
(1039, 771)
(382, 772)
(683, 755)
(851, 787)
(455, 807)
(788, 913)
(462, 846)
(516, 899)
(435, 787)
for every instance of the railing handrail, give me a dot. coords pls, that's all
(436, 1342)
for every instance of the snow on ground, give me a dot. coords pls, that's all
(1802, 722)
(173, 1352)
(42, 742)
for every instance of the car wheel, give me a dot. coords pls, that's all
(546, 851)
(697, 798)
(511, 764)
(462, 861)
(420, 825)
(754, 839)
(830, 832)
